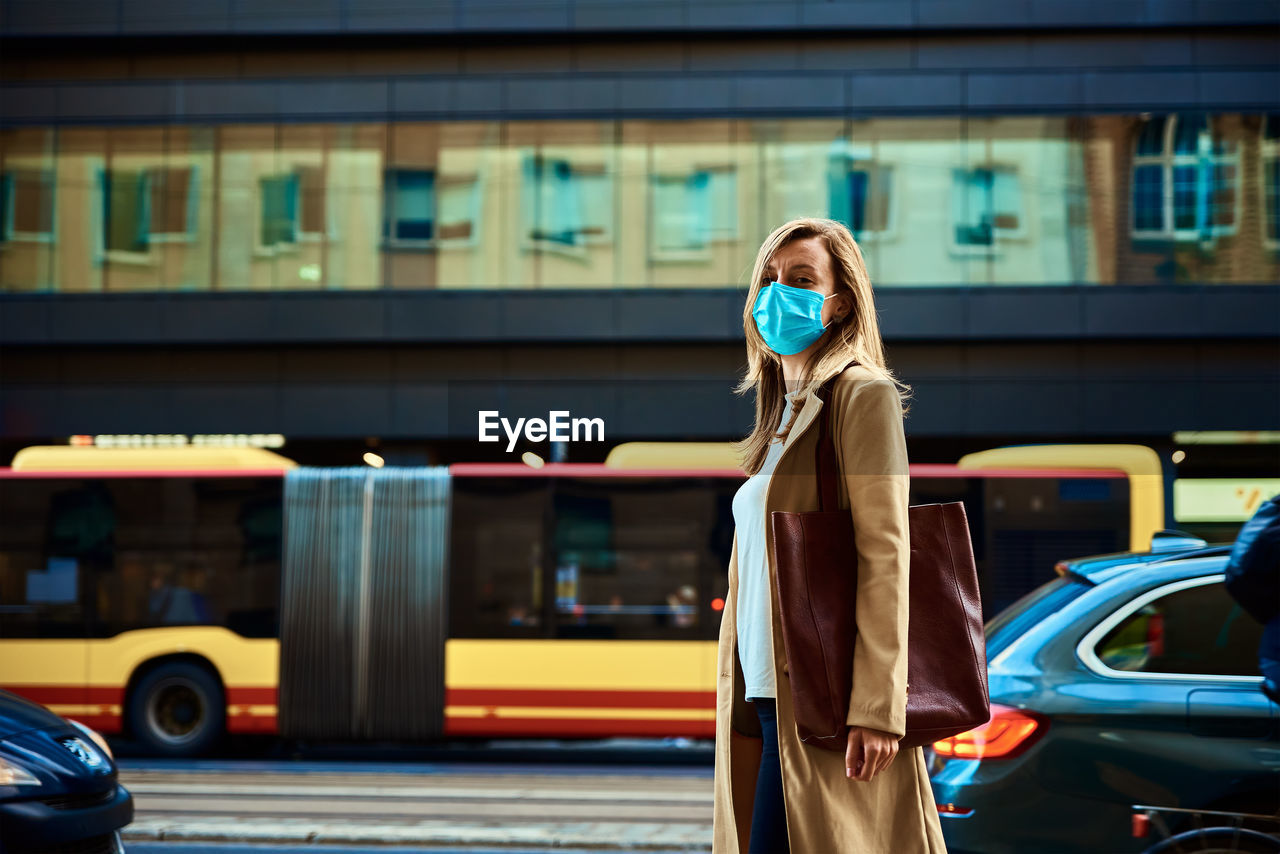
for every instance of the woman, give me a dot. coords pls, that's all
(810, 316)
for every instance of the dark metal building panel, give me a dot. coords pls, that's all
(220, 318)
(97, 318)
(891, 92)
(554, 316)
(226, 99)
(1239, 88)
(335, 409)
(557, 95)
(630, 315)
(818, 93)
(674, 315)
(421, 96)
(351, 316)
(1140, 90)
(219, 407)
(857, 14)
(175, 17)
(673, 94)
(400, 16)
(288, 16)
(1023, 313)
(508, 15)
(335, 98)
(614, 15)
(25, 104)
(1022, 90)
(122, 100)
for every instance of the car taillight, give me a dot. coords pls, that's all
(1009, 732)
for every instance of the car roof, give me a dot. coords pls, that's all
(1098, 569)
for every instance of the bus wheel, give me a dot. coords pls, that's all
(177, 709)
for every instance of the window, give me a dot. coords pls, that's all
(279, 222)
(496, 565)
(859, 189)
(1271, 180)
(126, 213)
(1193, 630)
(565, 205)
(85, 557)
(1184, 180)
(173, 203)
(690, 212)
(145, 206)
(458, 211)
(986, 205)
(410, 206)
(312, 220)
(26, 205)
(633, 559)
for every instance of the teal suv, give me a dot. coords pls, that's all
(1128, 679)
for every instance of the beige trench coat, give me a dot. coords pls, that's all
(827, 812)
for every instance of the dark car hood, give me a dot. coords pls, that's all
(18, 714)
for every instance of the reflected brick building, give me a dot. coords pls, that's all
(357, 224)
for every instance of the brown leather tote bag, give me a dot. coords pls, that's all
(817, 566)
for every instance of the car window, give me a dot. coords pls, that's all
(1196, 630)
(1011, 623)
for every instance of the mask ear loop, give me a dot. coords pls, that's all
(824, 302)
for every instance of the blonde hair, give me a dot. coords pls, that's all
(856, 337)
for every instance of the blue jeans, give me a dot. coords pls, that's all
(768, 815)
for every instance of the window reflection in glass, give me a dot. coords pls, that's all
(985, 200)
(1184, 179)
(1197, 630)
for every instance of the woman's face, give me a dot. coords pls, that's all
(807, 264)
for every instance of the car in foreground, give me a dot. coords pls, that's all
(1129, 678)
(58, 784)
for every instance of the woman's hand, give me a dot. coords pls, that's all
(869, 752)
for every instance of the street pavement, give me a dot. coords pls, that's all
(463, 806)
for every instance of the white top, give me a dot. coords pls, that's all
(754, 617)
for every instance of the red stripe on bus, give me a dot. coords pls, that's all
(578, 470)
(242, 696)
(261, 724)
(601, 699)
(921, 470)
(90, 474)
(927, 470)
(67, 695)
(577, 727)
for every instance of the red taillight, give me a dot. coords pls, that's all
(952, 809)
(1009, 732)
(1141, 825)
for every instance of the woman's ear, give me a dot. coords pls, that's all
(844, 306)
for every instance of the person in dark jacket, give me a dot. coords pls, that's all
(1253, 580)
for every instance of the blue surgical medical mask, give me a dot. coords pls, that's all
(789, 319)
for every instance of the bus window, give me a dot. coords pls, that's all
(635, 558)
(52, 534)
(496, 557)
(192, 552)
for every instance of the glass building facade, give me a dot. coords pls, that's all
(1150, 198)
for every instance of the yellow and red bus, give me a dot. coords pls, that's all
(180, 593)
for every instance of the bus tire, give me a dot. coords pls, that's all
(178, 709)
